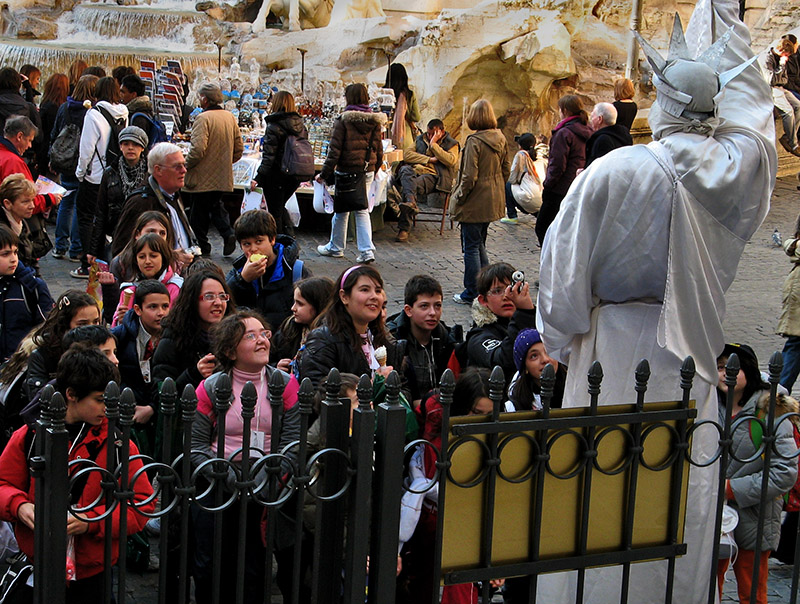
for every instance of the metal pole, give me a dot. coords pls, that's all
(302, 52)
(633, 50)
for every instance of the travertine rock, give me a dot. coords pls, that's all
(30, 27)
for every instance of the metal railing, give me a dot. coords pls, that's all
(356, 480)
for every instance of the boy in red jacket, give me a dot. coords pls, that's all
(83, 374)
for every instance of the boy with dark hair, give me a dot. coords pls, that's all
(137, 337)
(500, 312)
(429, 341)
(82, 377)
(263, 277)
(24, 297)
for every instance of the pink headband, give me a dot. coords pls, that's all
(347, 274)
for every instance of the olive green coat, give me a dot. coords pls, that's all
(789, 323)
(479, 193)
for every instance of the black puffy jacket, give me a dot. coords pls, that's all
(356, 138)
(110, 201)
(325, 350)
(279, 126)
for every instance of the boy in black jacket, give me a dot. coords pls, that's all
(429, 341)
(500, 311)
(263, 277)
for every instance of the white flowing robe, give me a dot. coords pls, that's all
(636, 265)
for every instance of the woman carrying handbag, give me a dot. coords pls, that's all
(355, 154)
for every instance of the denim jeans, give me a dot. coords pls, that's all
(511, 203)
(339, 222)
(67, 235)
(791, 362)
(473, 245)
(788, 107)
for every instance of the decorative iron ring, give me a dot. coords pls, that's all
(629, 457)
(311, 463)
(89, 467)
(484, 468)
(736, 424)
(582, 461)
(674, 451)
(286, 492)
(213, 484)
(778, 421)
(174, 478)
(532, 468)
(412, 447)
(720, 447)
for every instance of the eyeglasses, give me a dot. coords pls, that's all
(497, 291)
(209, 297)
(179, 167)
(252, 336)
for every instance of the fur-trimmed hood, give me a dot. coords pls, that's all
(364, 121)
(783, 404)
(481, 315)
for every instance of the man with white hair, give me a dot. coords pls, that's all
(167, 170)
(216, 146)
(608, 135)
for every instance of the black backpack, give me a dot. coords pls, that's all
(298, 158)
(113, 152)
(65, 150)
(156, 132)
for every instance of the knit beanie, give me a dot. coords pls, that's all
(525, 339)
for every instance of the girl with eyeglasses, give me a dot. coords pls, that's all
(241, 344)
(184, 351)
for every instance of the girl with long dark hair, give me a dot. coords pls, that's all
(406, 113)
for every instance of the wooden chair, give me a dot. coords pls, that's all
(435, 215)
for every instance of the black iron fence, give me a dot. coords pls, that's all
(355, 482)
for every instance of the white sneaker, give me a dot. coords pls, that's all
(324, 250)
(365, 258)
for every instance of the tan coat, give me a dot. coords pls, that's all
(789, 323)
(216, 146)
(479, 194)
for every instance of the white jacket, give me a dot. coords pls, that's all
(94, 141)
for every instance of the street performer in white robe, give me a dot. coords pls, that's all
(638, 260)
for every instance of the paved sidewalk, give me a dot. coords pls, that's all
(753, 303)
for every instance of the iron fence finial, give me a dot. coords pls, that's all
(687, 373)
(497, 382)
(306, 396)
(548, 380)
(58, 412)
(595, 377)
(111, 398)
(127, 407)
(45, 401)
(642, 375)
(393, 388)
(332, 386)
(446, 386)
(168, 397)
(775, 367)
(364, 392)
(223, 392)
(188, 404)
(276, 386)
(249, 397)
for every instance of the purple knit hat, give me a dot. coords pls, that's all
(525, 339)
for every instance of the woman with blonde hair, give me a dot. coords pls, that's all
(17, 195)
(623, 102)
(479, 195)
(284, 121)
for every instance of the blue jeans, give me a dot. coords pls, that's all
(363, 228)
(67, 235)
(473, 245)
(791, 362)
(511, 203)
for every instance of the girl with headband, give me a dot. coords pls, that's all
(350, 330)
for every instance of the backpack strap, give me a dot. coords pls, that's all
(297, 271)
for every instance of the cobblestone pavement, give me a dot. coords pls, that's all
(753, 302)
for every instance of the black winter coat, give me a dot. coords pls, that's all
(180, 365)
(126, 333)
(25, 303)
(13, 103)
(356, 138)
(424, 365)
(110, 201)
(325, 350)
(272, 297)
(493, 344)
(279, 126)
(606, 140)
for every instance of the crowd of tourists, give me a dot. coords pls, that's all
(136, 215)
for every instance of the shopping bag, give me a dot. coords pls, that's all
(377, 189)
(323, 202)
(294, 210)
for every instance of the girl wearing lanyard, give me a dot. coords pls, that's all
(240, 344)
(350, 330)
